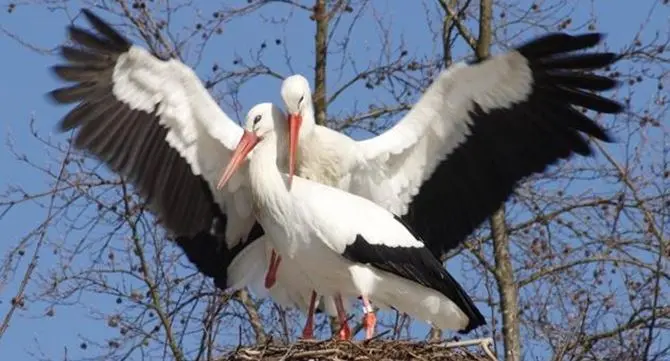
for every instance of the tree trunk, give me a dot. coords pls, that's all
(321, 45)
(504, 274)
(507, 287)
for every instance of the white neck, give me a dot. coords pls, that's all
(308, 119)
(273, 203)
(268, 184)
(263, 164)
(281, 150)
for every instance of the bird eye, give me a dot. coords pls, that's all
(301, 99)
(257, 119)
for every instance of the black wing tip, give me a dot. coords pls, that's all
(58, 69)
(56, 96)
(90, 15)
(606, 137)
(52, 98)
(81, 36)
(609, 106)
(104, 33)
(73, 29)
(551, 44)
(592, 39)
(608, 58)
(586, 40)
(105, 28)
(97, 21)
(615, 108)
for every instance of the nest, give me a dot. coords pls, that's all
(377, 350)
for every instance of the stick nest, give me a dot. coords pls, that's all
(377, 350)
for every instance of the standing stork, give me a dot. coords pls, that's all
(153, 122)
(346, 245)
(461, 150)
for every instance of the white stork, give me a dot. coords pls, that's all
(459, 152)
(477, 131)
(345, 244)
(153, 122)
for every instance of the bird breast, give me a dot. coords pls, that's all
(323, 164)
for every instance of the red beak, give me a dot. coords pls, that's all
(294, 122)
(248, 141)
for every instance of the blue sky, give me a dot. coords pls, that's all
(24, 79)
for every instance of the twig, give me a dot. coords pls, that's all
(33, 262)
(483, 342)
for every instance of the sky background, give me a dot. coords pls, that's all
(24, 80)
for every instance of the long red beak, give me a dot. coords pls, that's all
(248, 141)
(294, 122)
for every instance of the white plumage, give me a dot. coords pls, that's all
(351, 246)
(461, 149)
(473, 135)
(258, 252)
(153, 122)
(444, 167)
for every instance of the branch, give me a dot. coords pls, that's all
(18, 299)
(148, 279)
(460, 25)
(254, 317)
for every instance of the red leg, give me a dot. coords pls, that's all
(308, 331)
(271, 276)
(345, 332)
(369, 318)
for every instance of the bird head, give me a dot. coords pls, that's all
(297, 97)
(260, 121)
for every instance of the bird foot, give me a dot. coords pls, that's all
(345, 332)
(369, 322)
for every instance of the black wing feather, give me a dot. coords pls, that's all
(132, 143)
(117, 134)
(417, 265)
(508, 144)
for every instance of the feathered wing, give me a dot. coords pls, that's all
(481, 128)
(365, 233)
(153, 122)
